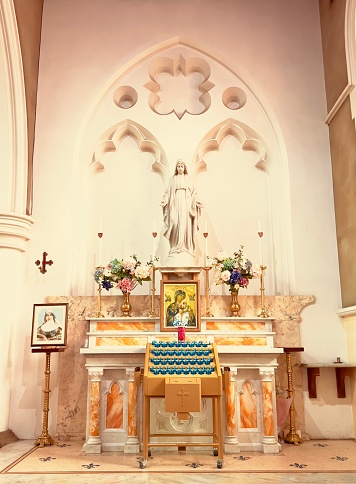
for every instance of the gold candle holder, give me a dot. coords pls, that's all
(152, 312)
(45, 438)
(206, 268)
(292, 437)
(264, 313)
(208, 313)
(99, 314)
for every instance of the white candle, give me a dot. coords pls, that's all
(206, 227)
(100, 243)
(260, 231)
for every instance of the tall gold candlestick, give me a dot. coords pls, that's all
(99, 314)
(152, 312)
(208, 313)
(264, 312)
(292, 437)
(45, 438)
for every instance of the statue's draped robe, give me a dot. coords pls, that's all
(181, 214)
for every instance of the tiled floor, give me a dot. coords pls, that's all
(11, 452)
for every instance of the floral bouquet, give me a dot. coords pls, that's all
(123, 274)
(234, 271)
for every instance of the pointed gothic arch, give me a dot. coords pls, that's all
(284, 280)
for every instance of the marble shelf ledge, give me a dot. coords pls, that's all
(232, 349)
(123, 318)
(157, 319)
(237, 318)
(166, 334)
(341, 371)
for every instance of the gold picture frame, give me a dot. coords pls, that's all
(49, 325)
(180, 304)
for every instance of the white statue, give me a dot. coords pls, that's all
(181, 211)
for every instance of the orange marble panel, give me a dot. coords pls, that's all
(117, 341)
(132, 410)
(114, 408)
(241, 341)
(268, 420)
(248, 408)
(230, 409)
(234, 326)
(94, 425)
(120, 326)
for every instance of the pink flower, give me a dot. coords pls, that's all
(126, 285)
(244, 282)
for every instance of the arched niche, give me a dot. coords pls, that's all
(159, 141)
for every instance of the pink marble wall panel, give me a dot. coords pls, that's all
(248, 407)
(114, 408)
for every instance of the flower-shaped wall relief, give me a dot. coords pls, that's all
(179, 86)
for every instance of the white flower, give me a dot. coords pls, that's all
(256, 271)
(107, 272)
(129, 264)
(221, 256)
(142, 272)
(225, 276)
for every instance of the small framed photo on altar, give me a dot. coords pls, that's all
(49, 325)
(180, 305)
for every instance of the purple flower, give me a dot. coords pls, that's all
(107, 284)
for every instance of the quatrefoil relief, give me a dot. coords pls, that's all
(179, 86)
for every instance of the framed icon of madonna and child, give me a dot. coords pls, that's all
(180, 305)
(49, 325)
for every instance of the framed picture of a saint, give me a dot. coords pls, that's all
(180, 305)
(49, 325)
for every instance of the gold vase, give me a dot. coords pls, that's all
(234, 305)
(126, 305)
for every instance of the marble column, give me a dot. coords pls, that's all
(231, 444)
(93, 443)
(270, 441)
(132, 445)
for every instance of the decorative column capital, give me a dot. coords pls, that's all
(130, 372)
(95, 374)
(14, 230)
(267, 374)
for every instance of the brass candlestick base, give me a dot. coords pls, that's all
(45, 438)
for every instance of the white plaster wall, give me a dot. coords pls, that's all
(275, 46)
